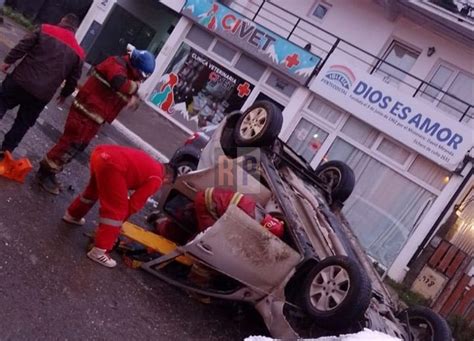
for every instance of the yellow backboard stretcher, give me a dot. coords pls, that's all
(152, 241)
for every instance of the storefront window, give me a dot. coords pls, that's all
(250, 67)
(197, 91)
(360, 132)
(306, 139)
(281, 84)
(224, 50)
(393, 151)
(384, 207)
(200, 37)
(429, 172)
(321, 109)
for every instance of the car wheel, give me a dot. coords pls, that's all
(185, 167)
(425, 324)
(336, 291)
(339, 177)
(259, 125)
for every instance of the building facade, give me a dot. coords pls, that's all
(385, 86)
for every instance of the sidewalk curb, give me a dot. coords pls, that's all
(145, 146)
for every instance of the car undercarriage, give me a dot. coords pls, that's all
(315, 280)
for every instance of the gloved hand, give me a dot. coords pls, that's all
(133, 103)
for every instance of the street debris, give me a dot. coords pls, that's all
(15, 169)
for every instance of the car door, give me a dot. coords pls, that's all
(241, 248)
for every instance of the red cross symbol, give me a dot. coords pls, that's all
(213, 76)
(292, 60)
(243, 89)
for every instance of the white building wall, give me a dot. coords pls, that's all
(353, 21)
(365, 24)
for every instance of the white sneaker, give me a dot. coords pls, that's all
(71, 220)
(100, 256)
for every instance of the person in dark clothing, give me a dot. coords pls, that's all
(49, 56)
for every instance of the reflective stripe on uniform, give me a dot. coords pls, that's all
(51, 164)
(110, 222)
(210, 203)
(89, 114)
(236, 198)
(101, 79)
(86, 201)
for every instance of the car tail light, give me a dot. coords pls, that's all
(191, 139)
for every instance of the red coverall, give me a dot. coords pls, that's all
(114, 171)
(105, 93)
(219, 200)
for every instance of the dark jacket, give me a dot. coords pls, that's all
(50, 55)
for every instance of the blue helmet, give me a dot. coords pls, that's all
(143, 61)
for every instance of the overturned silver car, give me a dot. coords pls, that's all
(317, 277)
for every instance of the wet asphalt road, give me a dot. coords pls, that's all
(49, 290)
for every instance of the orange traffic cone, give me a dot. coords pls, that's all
(15, 169)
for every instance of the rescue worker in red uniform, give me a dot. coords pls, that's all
(112, 86)
(115, 170)
(210, 205)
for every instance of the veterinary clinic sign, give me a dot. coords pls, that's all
(408, 120)
(253, 38)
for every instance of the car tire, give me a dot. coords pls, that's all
(185, 166)
(335, 291)
(425, 324)
(340, 178)
(227, 141)
(259, 125)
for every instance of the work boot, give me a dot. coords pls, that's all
(100, 256)
(71, 220)
(47, 181)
